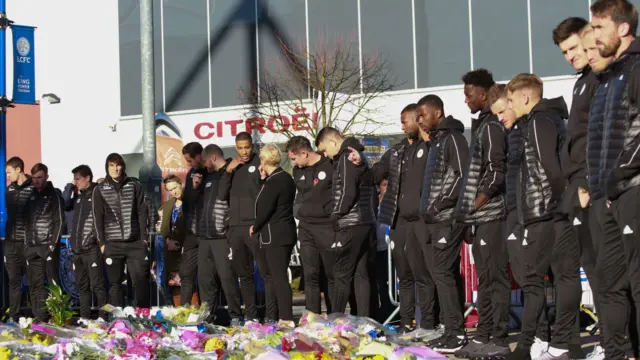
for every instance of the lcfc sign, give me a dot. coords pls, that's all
(24, 79)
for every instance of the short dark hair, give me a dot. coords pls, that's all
(567, 28)
(172, 178)
(410, 107)
(433, 101)
(192, 149)
(244, 136)
(39, 167)
(212, 149)
(327, 132)
(479, 77)
(84, 171)
(298, 143)
(621, 11)
(15, 162)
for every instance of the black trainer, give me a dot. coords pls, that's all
(491, 352)
(451, 344)
(471, 348)
(519, 354)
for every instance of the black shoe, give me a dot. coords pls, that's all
(491, 352)
(437, 341)
(576, 352)
(451, 344)
(471, 348)
(519, 354)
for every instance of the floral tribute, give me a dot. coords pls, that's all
(182, 333)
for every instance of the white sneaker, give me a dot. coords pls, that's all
(596, 354)
(538, 348)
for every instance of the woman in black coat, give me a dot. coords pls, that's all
(276, 230)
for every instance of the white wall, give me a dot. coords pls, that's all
(77, 59)
(76, 45)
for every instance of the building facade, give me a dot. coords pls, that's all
(207, 51)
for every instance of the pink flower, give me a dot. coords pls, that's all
(143, 312)
(315, 182)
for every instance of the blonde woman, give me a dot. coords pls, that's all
(276, 230)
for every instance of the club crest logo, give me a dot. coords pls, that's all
(23, 46)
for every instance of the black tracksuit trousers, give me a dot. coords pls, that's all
(537, 245)
(189, 268)
(243, 251)
(565, 266)
(611, 279)
(494, 286)
(626, 214)
(273, 263)
(514, 235)
(410, 260)
(350, 246)
(317, 259)
(89, 271)
(136, 257)
(15, 263)
(42, 265)
(213, 264)
(444, 241)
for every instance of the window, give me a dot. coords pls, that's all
(333, 29)
(283, 26)
(130, 67)
(500, 44)
(545, 16)
(233, 57)
(185, 54)
(392, 43)
(442, 41)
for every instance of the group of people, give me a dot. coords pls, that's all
(539, 187)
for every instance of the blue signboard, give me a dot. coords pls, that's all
(24, 72)
(374, 148)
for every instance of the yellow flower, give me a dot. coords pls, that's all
(214, 344)
(325, 356)
(4, 353)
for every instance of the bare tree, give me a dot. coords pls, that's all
(328, 85)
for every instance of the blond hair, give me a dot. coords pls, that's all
(271, 155)
(586, 30)
(496, 92)
(526, 81)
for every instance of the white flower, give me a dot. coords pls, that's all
(70, 348)
(129, 311)
(25, 323)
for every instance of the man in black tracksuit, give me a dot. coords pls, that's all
(313, 174)
(192, 153)
(17, 194)
(513, 228)
(120, 216)
(574, 243)
(239, 186)
(44, 225)
(440, 190)
(214, 264)
(87, 257)
(404, 166)
(482, 205)
(540, 184)
(615, 108)
(352, 217)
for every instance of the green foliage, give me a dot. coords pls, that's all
(58, 304)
